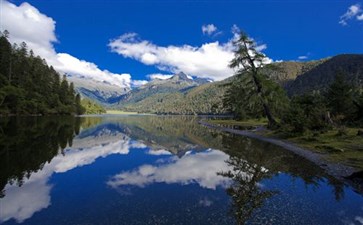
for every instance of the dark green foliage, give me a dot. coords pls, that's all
(253, 93)
(358, 103)
(340, 98)
(5, 57)
(307, 112)
(29, 86)
(90, 107)
(321, 76)
(244, 102)
(79, 108)
(342, 104)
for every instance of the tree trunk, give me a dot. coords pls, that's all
(271, 121)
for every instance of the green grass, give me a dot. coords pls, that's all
(119, 112)
(244, 123)
(346, 149)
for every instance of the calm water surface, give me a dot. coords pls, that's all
(158, 170)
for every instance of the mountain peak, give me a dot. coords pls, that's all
(180, 76)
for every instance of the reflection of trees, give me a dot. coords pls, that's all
(88, 122)
(245, 191)
(26, 144)
(276, 159)
(253, 161)
(177, 134)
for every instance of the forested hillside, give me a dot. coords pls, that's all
(168, 97)
(322, 75)
(177, 95)
(29, 86)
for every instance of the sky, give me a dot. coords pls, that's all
(128, 43)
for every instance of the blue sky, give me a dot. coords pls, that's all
(289, 29)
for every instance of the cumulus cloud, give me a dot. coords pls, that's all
(26, 23)
(158, 152)
(209, 29)
(209, 60)
(159, 76)
(354, 11)
(138, 83)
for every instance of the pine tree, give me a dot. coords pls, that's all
(79, 108)
(339, 97)
(256, 89)
(29, 86)
(5, 59)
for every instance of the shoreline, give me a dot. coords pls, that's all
(339, 171)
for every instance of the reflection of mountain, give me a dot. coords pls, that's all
(255, 162)
(177, 134)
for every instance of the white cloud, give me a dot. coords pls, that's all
(209, 60)
(159, 76)
(138, 83)
(351, 13)
(209, 29)
(26, 23)
(302, 57)
(72, 65)
(158, 152)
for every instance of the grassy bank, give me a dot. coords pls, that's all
(346, 149)
(245, 123)
(119, 112)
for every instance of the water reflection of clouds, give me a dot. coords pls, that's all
(20, 203)
(359, 219)
(158, 152)
(200, 168)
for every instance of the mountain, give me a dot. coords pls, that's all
(103, 93)
(159, 95)
(285, 73)
(179, 83)
(182, 94)
(321, 76)
(177, 95)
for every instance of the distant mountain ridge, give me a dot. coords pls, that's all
(176, 95)
(322, 75)
(182, 95)
(179, 82)
(101, 92)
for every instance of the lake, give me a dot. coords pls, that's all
(158, 170)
